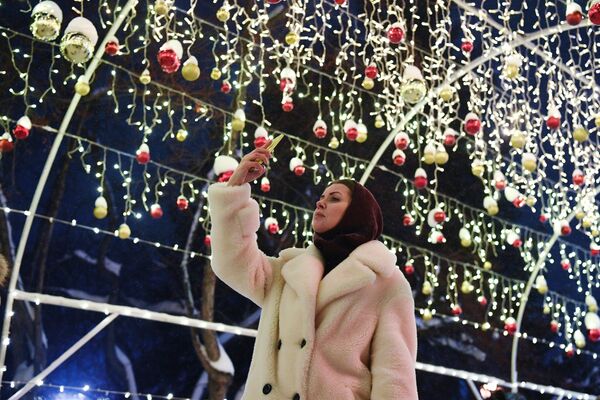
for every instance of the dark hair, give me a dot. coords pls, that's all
(349, 183)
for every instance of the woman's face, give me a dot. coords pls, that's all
(331, 207)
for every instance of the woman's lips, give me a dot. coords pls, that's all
(318, 214)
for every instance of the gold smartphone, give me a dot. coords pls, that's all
(273, 144)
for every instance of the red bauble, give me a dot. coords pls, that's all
(21, 132)
(273, 1)
(500, 185)
(182, 203)
(142, 157)
(395, 34)
(285, 83)
(409, 269)
(439, 216)
(371, 71)
(225, 87)
(320, 133)
(265, 187)
(407, 220)
(156, 211)
(595, 252)
(299, 170)
(168, 60)
(578, 179)
(543, 218)
(449, 140)
(565, 264)
(399, 160)
(482, 301)
(510, 327)
(207, 241)
(467, 46)
(472, 126)
(554, 326)
(565, 230)
(352, 134)
(569, 352)
(111, 48)
(420, 182)
(574, 18)
(401, 143)
(456, 310)
(260, 141)
(594, 335)
(553, 122)
(517, 243)
(224, 177)
(594, 14)
(287, 106)
(6, 146)
(340, 2)
(273, 228)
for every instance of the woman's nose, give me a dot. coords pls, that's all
(320, 204)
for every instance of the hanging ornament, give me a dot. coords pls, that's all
(271, 225)
(273, 2)
(409, 269)
(450, 136)
(591, 303)
(265, 185)
(379, 122)
(456, 310)
(238, 122)
(320, 129)
(491, 205)
(207, 241)
(435, 217)
(78, 42)
(371, 71)
(224, 167)
(156, 211)
(446, 93)
(517, 139)
(592, 323)
(546, 309)
(287, 103)
(565, 264)
(395, 33)
(190, 70)
(112, 46)
(363, 133)
(594, 12)
(142, 155)
(510, 325)
(401, 141)
(225, 87)
(427, 288)
(467, 287)
(223, 14)
(351, 129)
(145, 77)
(553, 118)
(426, 314)
(297, 166)
(578, 177)
(554, 326)
(215, 74)
(530, 201)
(544, 218)
(579, 339)
(574, 14)
(466, 46)
(514, 240)
(181, 135)
(499, 180)
(124, 231)
(82, 86)
(472, 124)
(529, 161)
(514, 196)
(334, 143)
(47, 17)
(6, 143)
(368, 83)
(594, 249)
(408, 220)
(441, 156)
(100, 207)
(482, 300)
(597, 120)
(477, 168)
(182, 203)
(586, 223)
(413, 87)
(465, 237)
(541, 285)
(420, 180)
(436, 237)
(162, 7)
(512, 65)
(429, 153)
(287, 81)
(487, 266)
(292, 38)
(580, 134)
(486, 326)
(21, 131)
(169, 56)
(260, 137)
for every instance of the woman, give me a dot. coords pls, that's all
(337, 317)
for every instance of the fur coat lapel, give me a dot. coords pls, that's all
(303, 270)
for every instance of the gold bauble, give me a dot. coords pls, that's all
(100, 212)
(82, 88)
(181, 135)
(215, 74)
(368, 83)
(477, 169)
(429, 158)
(487, 265)
(161, 7)
(426, 314)
(580, 134)
(485, 326)
(190, 72)
(379, 122)
(530, 165)
(145, 78)
(546, 309)
(362, 137)
(586, 223)
(465, 242)
(580, 214)
(124, 231)
(511, 71)
(223, 14)
(597, 121)
(517, 140)
(466, 287)
(427, 288)
(441, 157)
(493, 210)
(291, 38)
(531, 201)
(334, 143)
(446, 94)
(238, 125)
(595, 232)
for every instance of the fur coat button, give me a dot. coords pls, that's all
(279, 344)
(302, 344)
(267, 389)
(296, 397)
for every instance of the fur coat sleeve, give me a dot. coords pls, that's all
(236, 258)
(394, 351)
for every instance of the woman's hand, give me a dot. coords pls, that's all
(250, 168)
